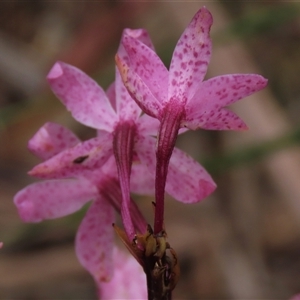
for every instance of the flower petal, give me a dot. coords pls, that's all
(187, 180)
(127, 109)
(53, 198)
(145, 150)
(141, 180)
(86, 156)
(191, 57)
(81, 95)
(138, 89)
(141, 35)
(147, 125)
(205, 110)
(51, 139)
(111, 94)
(222, 119)
(128, 281)
(149, 67)
(95, 239)
(224, 90)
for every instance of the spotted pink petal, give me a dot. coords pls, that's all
(72, 162)
(95, 239)
(138, 90)
(128, 281)
(51, 139)
(82, 96)
(149, 67)
(126, 107)
(222, 119)
(205, 109)
(53, 198)
(224, 90)
(109, 169)
(147, 125)
(191, 57)
(187, 180)
(111, 94)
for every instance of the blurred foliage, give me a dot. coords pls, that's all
(259, 22)
(239, 157)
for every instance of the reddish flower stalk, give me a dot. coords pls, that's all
(166, 140)
(123, 144)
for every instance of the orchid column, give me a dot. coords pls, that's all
(179, 97)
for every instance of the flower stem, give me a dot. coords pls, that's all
(154, 290)
(123, 144)
(112, 192)
(167, 135)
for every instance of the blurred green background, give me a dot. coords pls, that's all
(243, 242)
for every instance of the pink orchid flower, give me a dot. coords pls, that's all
(179, 97)
(123, 132)
(60, 197)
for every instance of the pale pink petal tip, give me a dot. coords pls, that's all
(26, 211)
(53, 198)
(135, 33)
(1, 245)
(206, 15)
(56, 71)
(51, 139)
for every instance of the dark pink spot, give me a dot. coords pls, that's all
(200, 62)
(183, 65)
